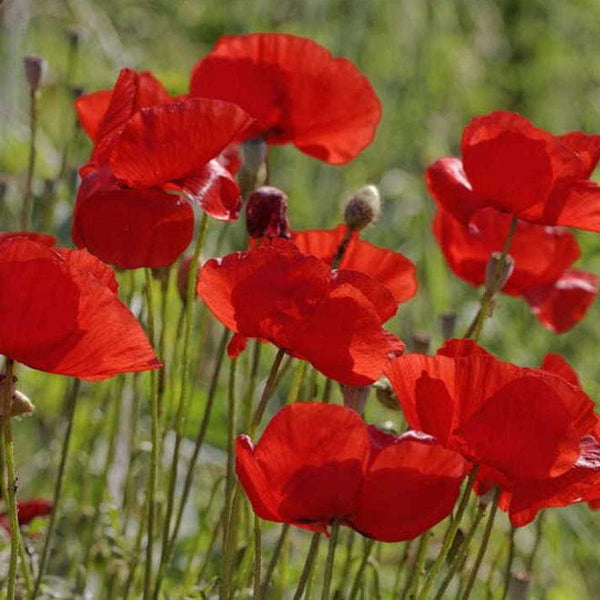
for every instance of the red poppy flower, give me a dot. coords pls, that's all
(511, 166)
(297, 92)
(391, 269)
(27, 511)
(151, 150)
(558, 296)
(331, 319)
(61, 313)
(521, 423)
(317, 463)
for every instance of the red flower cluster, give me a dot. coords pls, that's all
(296, 91)
(528, 429)
(331, 319)
(316, 463)
(150, 152)
(27, 511)
(558, 295)
(511, 166)
(61, 313)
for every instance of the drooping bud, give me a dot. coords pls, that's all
(448, 325)
(498, 271)
(362, 208)
(385, 394)
(77, 92)
(253, 170)
(420, 343)
(266, 213)
(20, 404)
(35, 69)
(356, 396)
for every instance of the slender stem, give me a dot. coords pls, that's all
(327, 388)
(267, 392)
(361, 568)
(483, 547)
(474, 330)
(58, 485)
(449, 536)
(297, 379)
(28, 194)
(461, 554)
(135, 554)
(536, 544)
(335, 530)
(403, 561)
(345, 572)
(181, 409)
(211, 545)
(274, 559)
(509, 562)
(257, 559)
(154, 455)
(247, 404)
(308, 564)
(187, 486)
(412, 582)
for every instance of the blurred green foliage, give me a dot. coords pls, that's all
(434, 64)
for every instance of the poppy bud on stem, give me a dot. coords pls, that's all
(266, 213)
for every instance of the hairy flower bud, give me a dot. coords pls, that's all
(356, 396)
(21, 404)
(362, 208)
(385, 394)
(421, 342)
(266, 213)
(498, 271)
(35, 68)
(448, 325)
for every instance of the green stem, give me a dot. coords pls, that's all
(335, 530)
(487, 300)
(274, 559)
(483, 547)
(28, 194)
(412, 582)
(250, 390)
(183, 397)
(361, 569)
(536, 544)
(257, 559)
(462, 552)
(509, 562)
(58, 486)
(449, 536)
(189, 478)
(403, 561)
(154, 455)
(267, 392)
(308, 564)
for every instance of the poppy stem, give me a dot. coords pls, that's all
(483, 547)
(335, 530)
(28, 194)
(369, 544)
(189, 477)
(412, 582)
(267, 392)
(16, 541)
(251, 389)
(154, 455)
(274, 559)
(462, 551)
(183, 397)
(536, 544)
(58, 485)
(487, 300)
(308, 564)
(449, 536)
(257, 559)
(509, 562)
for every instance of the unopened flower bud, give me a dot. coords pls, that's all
(73, 34)
(518, 587)
(385, 394)
(266, 213)
(77, 92)
(420, 343)
(35, 68)
(20, 404)
(356, 396)
(498, 271)
(457, 542)
(254, 152)
(448, 325)
(362, 208)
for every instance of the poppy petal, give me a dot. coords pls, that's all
(91, 109)
(556, 364)
(174, 141)
(130, 228)
(411, 485)
(559, 306)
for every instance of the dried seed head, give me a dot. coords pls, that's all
(363, 208)
(266, 213)
(35, 69)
